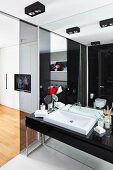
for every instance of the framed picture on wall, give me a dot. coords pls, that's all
(22, 82)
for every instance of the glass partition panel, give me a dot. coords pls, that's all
(26, 81)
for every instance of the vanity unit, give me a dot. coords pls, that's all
(99, 147)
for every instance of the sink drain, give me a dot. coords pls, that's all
(71, 121)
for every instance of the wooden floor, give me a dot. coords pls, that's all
(9, 134)
(13, 133)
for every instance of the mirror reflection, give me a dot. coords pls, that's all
(97, 79)
(59, 67)
(88, 22)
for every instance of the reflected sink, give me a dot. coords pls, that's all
(85, 111)
(75, 122)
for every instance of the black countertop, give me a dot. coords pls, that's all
(93, 144)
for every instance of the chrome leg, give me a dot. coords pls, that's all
(26, 141)
(42, 138)
(38, 136)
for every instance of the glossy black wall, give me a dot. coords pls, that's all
(83, 76)
(73, 55)
(100, 59)
(92, 73)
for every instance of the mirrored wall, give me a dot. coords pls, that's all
(60, 67)
(98, 62)
(88, 22)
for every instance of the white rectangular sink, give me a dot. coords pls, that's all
(75, 122)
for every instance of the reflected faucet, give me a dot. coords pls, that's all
(54, 99)
(75, 104)
(78, 104)
(69, 107)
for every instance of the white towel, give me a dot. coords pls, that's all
(40, 113)
(99, 129)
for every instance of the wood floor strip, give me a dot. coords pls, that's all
(12, 133)
(9, 134)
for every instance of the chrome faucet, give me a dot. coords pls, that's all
(54, 99)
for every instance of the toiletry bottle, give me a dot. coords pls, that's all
(107, 122)
(42, 106)
(94, 106)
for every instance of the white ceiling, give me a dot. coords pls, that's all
(59, 9)
(88, 22)
(55, 9)
(9, 31)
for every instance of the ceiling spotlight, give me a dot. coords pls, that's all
(73, 30)
(38, 11)
(95, 43)
(31, 13)
(106, 23)
(34, 9)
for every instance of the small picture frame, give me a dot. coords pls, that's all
(58, 66)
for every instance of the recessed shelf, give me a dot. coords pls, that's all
(59, 71)
(54, 61)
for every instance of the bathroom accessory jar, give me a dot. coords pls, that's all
(107, 121)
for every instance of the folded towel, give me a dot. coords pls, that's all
(40, 113)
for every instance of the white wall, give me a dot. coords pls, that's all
(19, 57)
(28, 65)
(58, 50)
(9, 63)
(58, 43)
